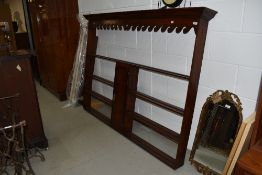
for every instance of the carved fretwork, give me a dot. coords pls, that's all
(167, 25)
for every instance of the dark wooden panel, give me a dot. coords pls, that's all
(22, 41)
(131, 84)
(89, 67)
(126, 77)
(192, 88)
(21, 82)
(56, 29)
(251, 161)
(119, 96)
(190, 14)
(257, 131)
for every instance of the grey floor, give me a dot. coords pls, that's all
(79, 144)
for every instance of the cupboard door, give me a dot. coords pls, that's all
(56, 29)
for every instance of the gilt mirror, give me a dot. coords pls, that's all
(219, 122)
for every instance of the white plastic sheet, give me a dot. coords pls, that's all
(76, 78)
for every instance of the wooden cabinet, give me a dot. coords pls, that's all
(251, 162)
(16, 78)
(22, 41)
(56, 29)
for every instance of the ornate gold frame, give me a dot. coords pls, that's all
(216, 97)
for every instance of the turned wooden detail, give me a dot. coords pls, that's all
(124, 85)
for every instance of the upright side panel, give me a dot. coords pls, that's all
(119, 96)
(192, 89)
(257, 131)
(126, 77)
(89, 68)
(130, 98)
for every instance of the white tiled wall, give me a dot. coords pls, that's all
(232, 58)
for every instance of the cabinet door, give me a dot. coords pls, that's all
(39, 24)
(56, 31)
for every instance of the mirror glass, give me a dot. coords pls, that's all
(219, 122)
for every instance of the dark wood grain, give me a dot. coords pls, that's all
(22, 41)
(164, 105)
(21, 82)
(147, 68)
(180, 14)
(89, 66)
(103, 80)
(130, 98)
(192, 88)
(56, 30)
(257, 131)
(251, 161)
(122, 100)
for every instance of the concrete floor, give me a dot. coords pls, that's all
(79, 144)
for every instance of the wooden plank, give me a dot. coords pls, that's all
(160, 103)
(192, 89)
(147, 68)
(241, 143)
(89, 66)
(190, 14)
(103, 80)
